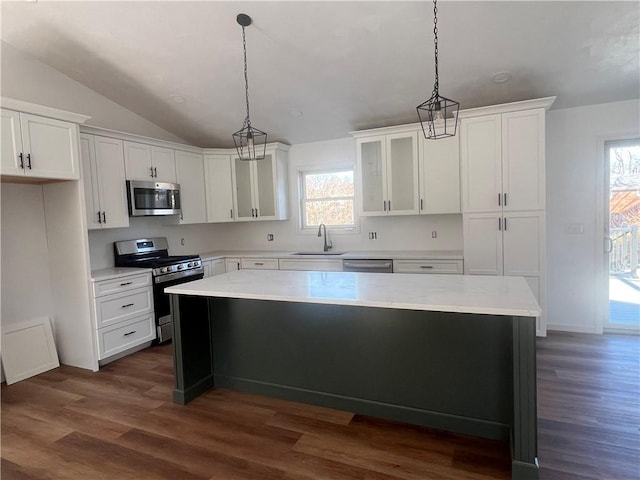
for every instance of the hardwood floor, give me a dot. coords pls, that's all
(120, 423)
(589, 407)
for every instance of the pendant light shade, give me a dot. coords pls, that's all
(251, 143)
(438, 115)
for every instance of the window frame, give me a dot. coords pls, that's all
(302, 172)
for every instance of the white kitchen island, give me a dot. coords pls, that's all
(451, 352)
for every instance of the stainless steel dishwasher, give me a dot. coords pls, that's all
(368, 265)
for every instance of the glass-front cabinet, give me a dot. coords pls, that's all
(388, 167)
(261, 186)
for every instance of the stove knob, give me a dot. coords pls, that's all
(162, 270)
(168, 269)
(179, 267)
(191, 264)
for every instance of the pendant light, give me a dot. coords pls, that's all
(438, 115)
(250, 142)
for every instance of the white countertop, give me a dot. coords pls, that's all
(115, 272)
(352, 255)
(493, 295)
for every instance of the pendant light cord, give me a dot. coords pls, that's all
(247, 121)
(435, 44)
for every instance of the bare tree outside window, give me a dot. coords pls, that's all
(328, 197)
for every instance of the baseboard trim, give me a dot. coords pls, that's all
(558, 327)
(185, 396)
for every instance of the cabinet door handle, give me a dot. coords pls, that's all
(426, 266)
(21, 157)
(29, 161)
(499, 200)
(104, 217)
(421, 207)
(389, 205)
(257, 213)
(128, 305)
(129, 333)
(181, 215)
(155, 171)
(505, 224)
(258, 264)
(231, 213)
(384, 205)
(151, 168)
(99, 217)
(505, 200)
(125, 283)
(499, 224)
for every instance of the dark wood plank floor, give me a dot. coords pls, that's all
(120, 423)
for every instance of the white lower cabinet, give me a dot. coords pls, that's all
(122, 310)
(259, 264)
(213, 267)
(508, 244)
(428, 266)
(316, 264)
(231, 264)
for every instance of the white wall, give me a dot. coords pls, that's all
(24, 255)
(393, 233)
(26, 78)
(574, 191)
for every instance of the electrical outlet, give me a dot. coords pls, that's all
(434, 234)
(269, 237)
(373, 235)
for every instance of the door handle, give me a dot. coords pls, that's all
(499, 224)
(155, 171)
(104, 217)
(151, 168)
(99, 217)
(609, 241)
(499, 200)
(256, 213)
(384, 205)
(421, 207)
(29, 161)
(505, 200)
(20, 156)
(231, 213)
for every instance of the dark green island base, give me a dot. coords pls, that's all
(467, 373)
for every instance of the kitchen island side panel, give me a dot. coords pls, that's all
(443, 370)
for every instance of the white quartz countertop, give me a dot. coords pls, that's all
(115, 272)
(493, 295)
(352, 255)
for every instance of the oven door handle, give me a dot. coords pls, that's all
(196, 273)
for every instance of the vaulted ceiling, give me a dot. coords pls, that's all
(318, 70)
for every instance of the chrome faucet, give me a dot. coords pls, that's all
(327, 246)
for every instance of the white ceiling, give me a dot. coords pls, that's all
(344, 65)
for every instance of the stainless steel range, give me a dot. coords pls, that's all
(167, 271)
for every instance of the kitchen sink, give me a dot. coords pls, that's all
(318, 253)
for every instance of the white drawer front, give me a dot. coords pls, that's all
(319, 265)
(259, 263)
(120, 337)
(427, 266)
(122, 284)
(122, 306)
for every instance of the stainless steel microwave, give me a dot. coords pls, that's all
(153, 198)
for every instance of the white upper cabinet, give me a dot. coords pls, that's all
(149, 162)
(388, 166)
(190, 176)
(502, 161)
(218, 188)
(104, 182)
(439, 175)
(261, 186)
(39, 147)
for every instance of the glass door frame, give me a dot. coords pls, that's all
(603, 241)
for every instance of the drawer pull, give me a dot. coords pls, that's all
(258, 263)
(129, 333)
(426, 266)
(125, 283)
(128, 305)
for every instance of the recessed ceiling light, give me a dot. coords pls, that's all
(501, 77)
(177, 98)
(295, 113)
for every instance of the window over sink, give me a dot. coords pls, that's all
(327, 197)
